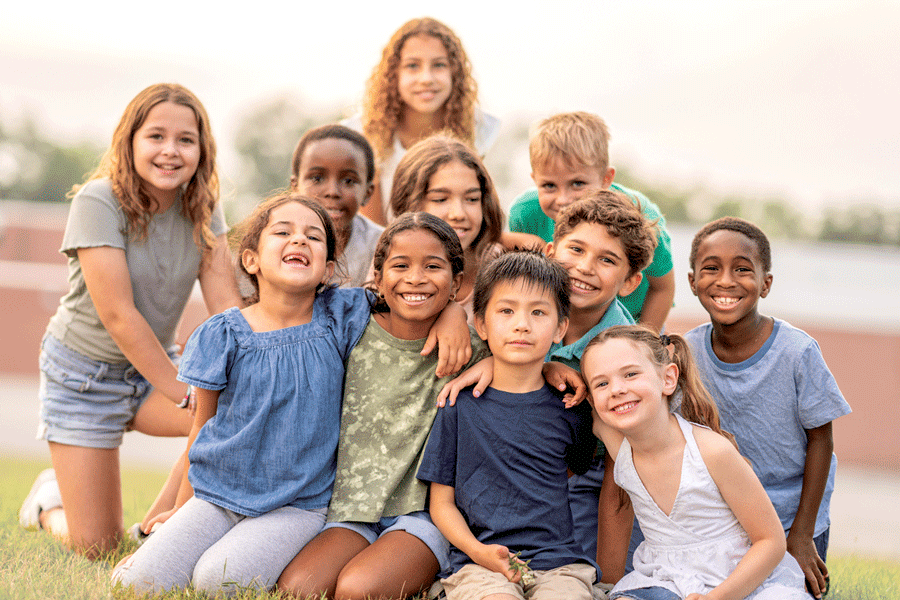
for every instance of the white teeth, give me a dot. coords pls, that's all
(297, 258)
(582, 285)
(415, 297)
(624, 407)
(725, 301)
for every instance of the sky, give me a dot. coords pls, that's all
(755, 97)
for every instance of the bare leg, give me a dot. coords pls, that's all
(397, 565)
(316, 568)
(158, 416)
(91, 491)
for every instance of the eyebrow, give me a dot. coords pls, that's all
(605, 251)
(429, 257)
(447, 190)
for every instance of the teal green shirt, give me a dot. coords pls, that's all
(570, 355)
(526, 216)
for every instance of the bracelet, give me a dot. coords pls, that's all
(186, 400)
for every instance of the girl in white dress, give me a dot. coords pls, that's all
(711, 531)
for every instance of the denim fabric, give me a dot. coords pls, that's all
(86, 402)
(273, 439)
(650, 593)
(418, 524)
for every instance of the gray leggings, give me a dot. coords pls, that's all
(219, 551)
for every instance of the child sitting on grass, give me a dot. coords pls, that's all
(569, 159)
(497, 464)
(771, 384)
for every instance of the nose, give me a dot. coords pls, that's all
(170, 147)
(455, 210)
(425, 74)
(616, 386)
(414, 274)
(523, 321)
(331, 188)
(585, 264)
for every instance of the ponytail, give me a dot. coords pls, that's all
(697, 406)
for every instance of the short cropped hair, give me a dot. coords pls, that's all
(530, 267)
(739, 226)
(338, 132)
(621, 217)
(578, 138)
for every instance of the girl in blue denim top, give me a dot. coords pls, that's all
(268, 381)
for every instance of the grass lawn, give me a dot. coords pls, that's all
(33, 566)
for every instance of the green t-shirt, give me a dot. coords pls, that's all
(389, 407)
(526, 216)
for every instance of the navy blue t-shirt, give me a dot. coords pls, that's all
(506, 455)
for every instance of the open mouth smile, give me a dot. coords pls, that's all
(297, 260)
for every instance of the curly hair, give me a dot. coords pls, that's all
(383, 108)
(621, 218)
(117, 165)
(245, 235)
(422, 161)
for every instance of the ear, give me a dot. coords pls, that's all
(250, 260)
(532, 178)
(608, 177)
(294, 181)
(767, 285)
(548, 250)
(691, 282)
(480, 327)
(369, 191)
(561, 330)
(670, 379)
(631, 283)
(457, 283)
(329, 271)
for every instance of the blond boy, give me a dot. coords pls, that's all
(569, 155)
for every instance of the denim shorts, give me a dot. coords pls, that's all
(86, 402)
(416, 523)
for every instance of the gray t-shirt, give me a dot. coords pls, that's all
(163, 268)
(768, 402)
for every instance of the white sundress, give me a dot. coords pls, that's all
(695, 547)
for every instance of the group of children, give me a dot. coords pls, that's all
(321, 456)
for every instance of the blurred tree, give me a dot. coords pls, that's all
(674, 204)
(730, 207)
(265, 140)
(780, 220)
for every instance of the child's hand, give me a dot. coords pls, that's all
(154, 523)
(497, 558)
(480, 375)
(451, 335)
(560, 377)
(802, 548)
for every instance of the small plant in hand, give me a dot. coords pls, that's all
(521, 566)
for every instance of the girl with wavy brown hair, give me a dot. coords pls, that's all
(142, 229)
(422, 85)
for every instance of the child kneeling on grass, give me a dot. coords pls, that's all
(497, 464)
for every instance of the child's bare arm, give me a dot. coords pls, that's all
(518, 240)
(614, 525)
(658, 302)
(451, 335)
(450, 522)
(749, 502)
(560, 377)
(819, 448)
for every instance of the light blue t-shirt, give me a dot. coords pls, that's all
(273, 440)
(768, 402)
(570, 355)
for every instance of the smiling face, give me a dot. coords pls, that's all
(627, 388)
(559, 184)
(292, 254)
(424, 79)
(334, 172)
(166, 150)
(454, 195)
(597, 265)
(520, 323)
(416, 281)
(728, 277)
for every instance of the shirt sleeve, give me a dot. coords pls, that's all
(217, 223)
(662, 256)
(95, 219)
(439, 459)
(350, 310)
(819, 399)
(208, 354)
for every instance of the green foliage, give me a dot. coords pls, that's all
(266, 138)
(33, 167)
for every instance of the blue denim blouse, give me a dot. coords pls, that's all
(273, 439)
